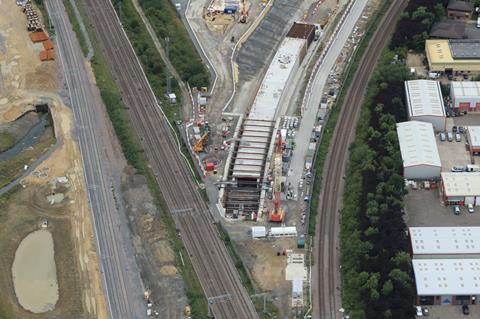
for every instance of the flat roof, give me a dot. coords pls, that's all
(461, 184)
(268, 96)
(465, 48)
(445, 240)
(473, 133)
(438, 52)
(437, 277)
(449, 29)
(465, 88)
(424, 97)
(417, 144)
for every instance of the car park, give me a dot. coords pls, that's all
(449, 136)
(458, 137)
(442, 136)
(456, 210)
(470, 208)
(465, 310)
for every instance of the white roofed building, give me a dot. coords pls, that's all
(425, 103)
(461, 188)
(447, 281)
(421, 160)
(465, 95)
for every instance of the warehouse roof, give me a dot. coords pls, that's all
(448, 29)
(473, 135)
(424, 97)
(436, 277)
(417, 144)
(465, 48)
(445, 240)
(465, 88)
(461, 184)
(268, 97)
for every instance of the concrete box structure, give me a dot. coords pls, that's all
(473, 138)
(450, 56)
(465, 95)
(421, 160)
(259, 232)
(447, 281)
(461, 188)
(425, 103)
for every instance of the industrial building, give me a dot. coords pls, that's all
(446, 263)
(425, 103)
(465, 95)
(453, 281)
(421, 160)
(473, 138)
(246, 168)
(461, 188)
(444, 242)
(455, 55)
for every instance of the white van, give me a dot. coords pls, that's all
(473, 168)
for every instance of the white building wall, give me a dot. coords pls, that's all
(471, 100)
(422, 172)
(438, 122)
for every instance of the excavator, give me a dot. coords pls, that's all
(244, 11)
(278, 214)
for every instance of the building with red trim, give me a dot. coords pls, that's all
(465, 95)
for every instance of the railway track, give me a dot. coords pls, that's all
(335, 165)
(209, 256)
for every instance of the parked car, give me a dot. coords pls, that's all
(458, 169)
(461, 129)
(456, 210)
(442, 136)
(454, 129)
(470, 208)
(425, 311)
(449, 136)
(458, 137)
(419, 311)
(465, 310)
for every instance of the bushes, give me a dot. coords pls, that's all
(377, 275)
(183, 55)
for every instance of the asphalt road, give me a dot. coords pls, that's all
(326, 276)
(210, 259)
(121, 278)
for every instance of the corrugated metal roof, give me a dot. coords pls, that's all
(445, 240)
(424, 97)
(417, 144)
(461, 184)
(465, 89)
(436, 277)
(473, 133)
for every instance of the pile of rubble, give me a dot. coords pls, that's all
(33, 21)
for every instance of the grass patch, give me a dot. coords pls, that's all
(76, 26)
(134, 154)
(167, 24)
(7, 141)
(43, 10)
(333, 116)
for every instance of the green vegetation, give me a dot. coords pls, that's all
(134, 154)
(76, 26)
(7, 141)
(46, 19)
(332, 119)
(183, 55)
(376, 271)
(415, 24)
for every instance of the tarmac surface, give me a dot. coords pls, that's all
(122, 284)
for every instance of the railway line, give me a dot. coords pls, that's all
(328, 303)
(216, 271)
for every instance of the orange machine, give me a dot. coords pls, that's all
(278, 214)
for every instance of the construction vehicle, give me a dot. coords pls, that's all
(277, 214)
(200, 144)
(244, 11)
